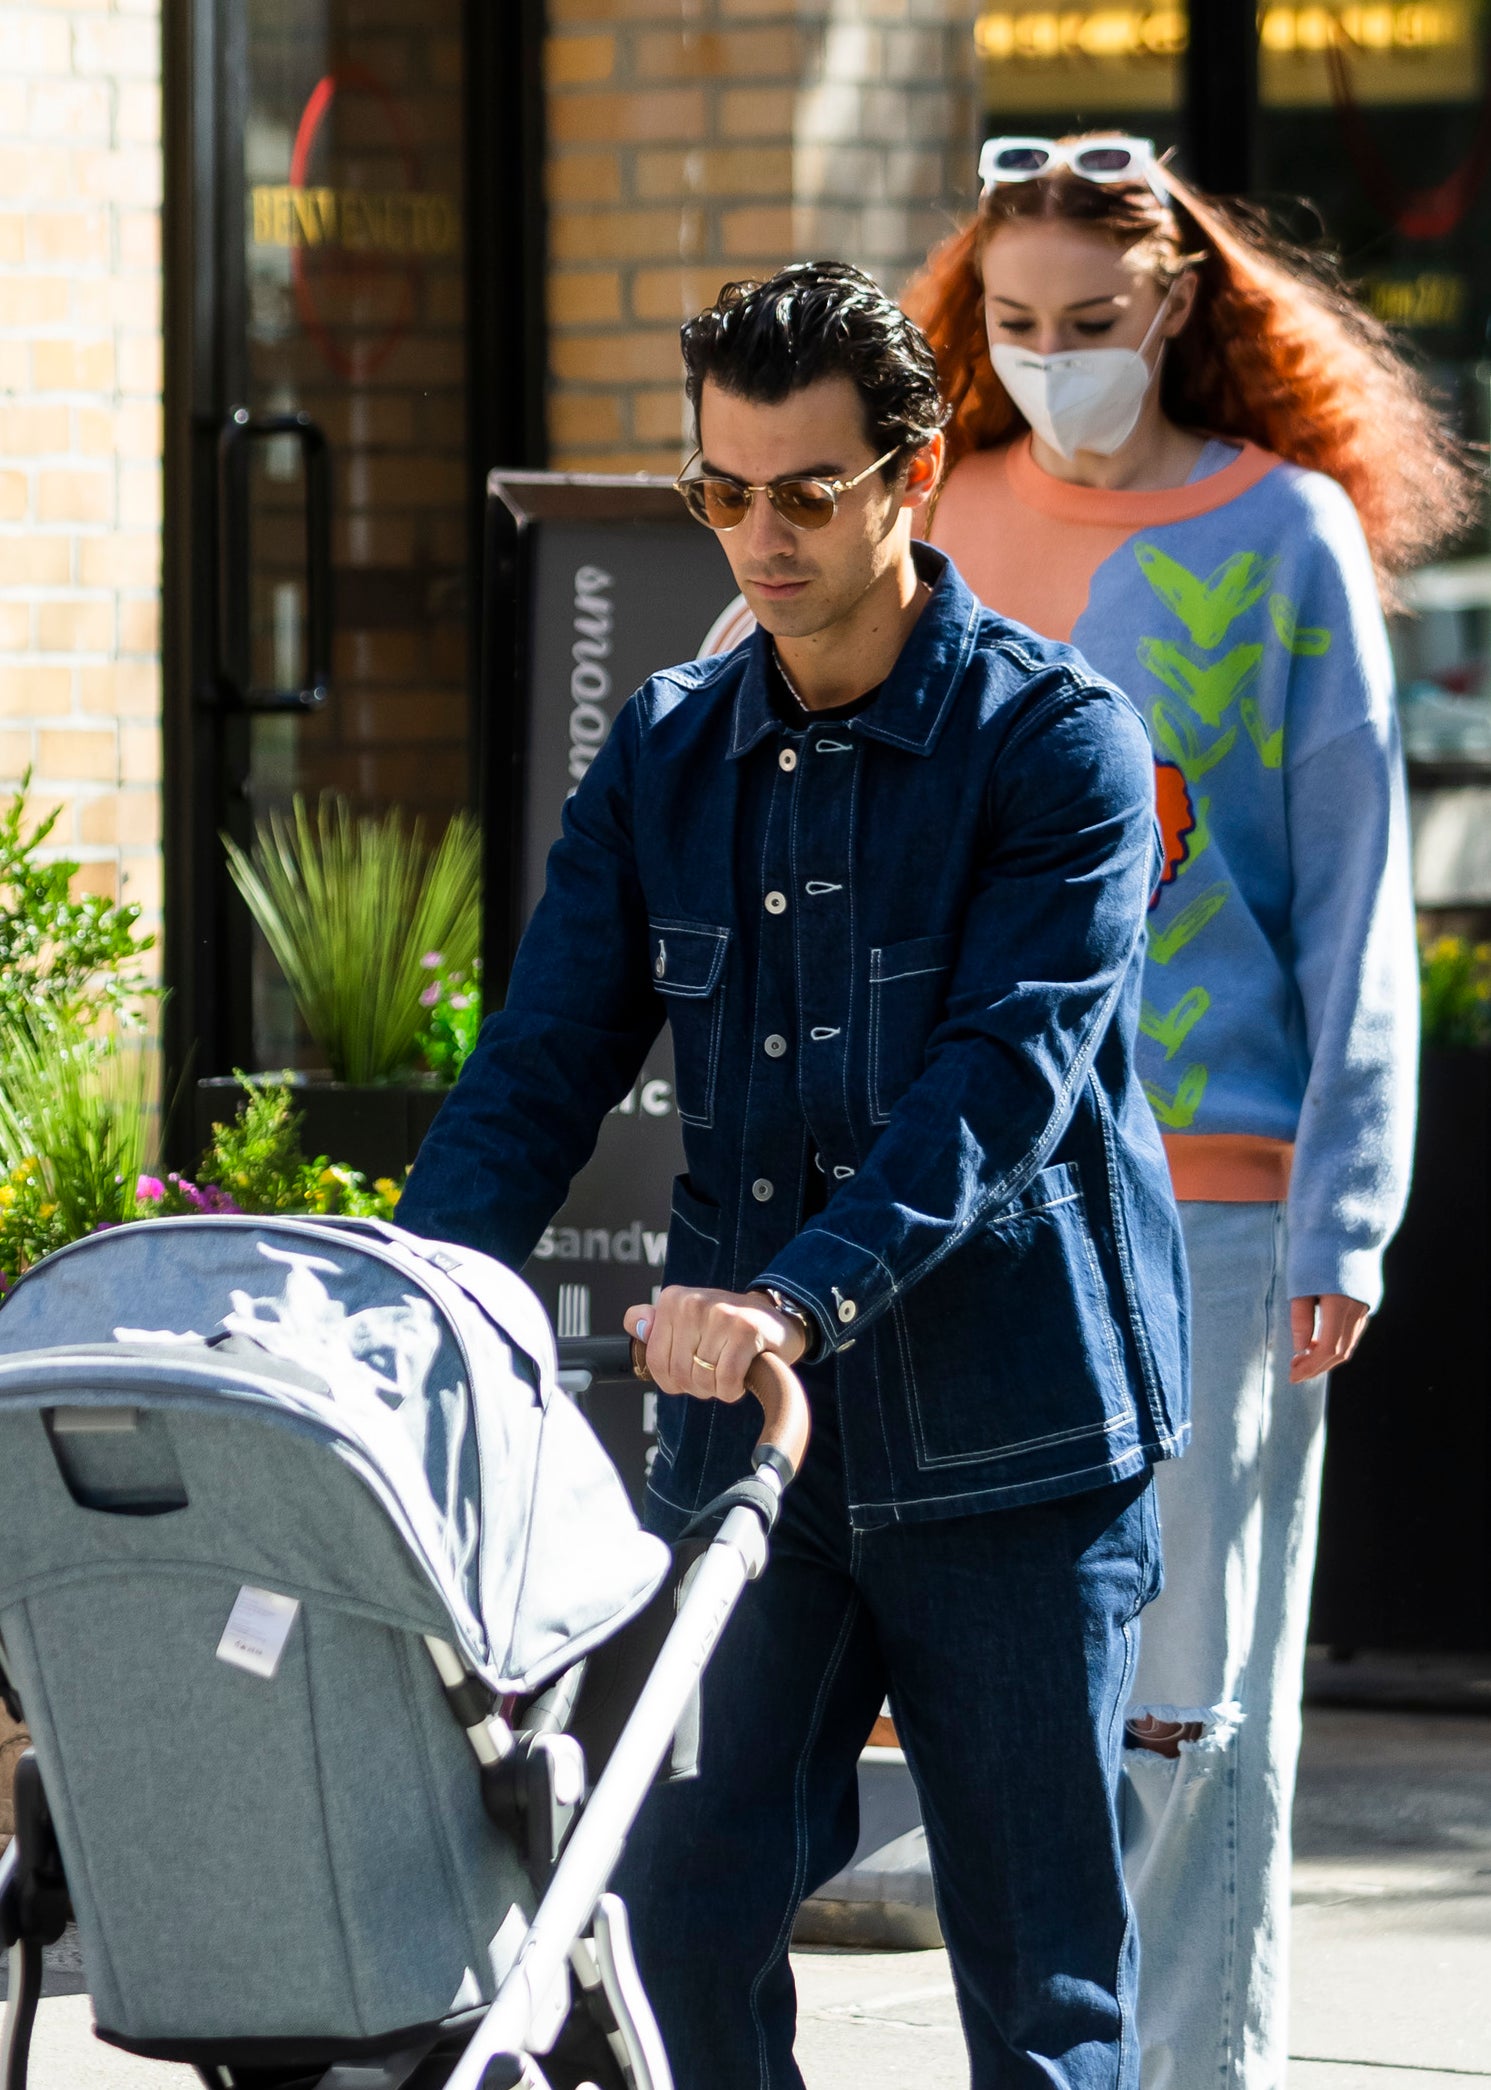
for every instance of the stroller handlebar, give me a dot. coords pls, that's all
(784, 1438)
(785, 1406)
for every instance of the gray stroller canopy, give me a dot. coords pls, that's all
(428, 1369)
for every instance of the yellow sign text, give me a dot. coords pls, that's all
(359, 221)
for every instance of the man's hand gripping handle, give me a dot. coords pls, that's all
(784, 1437)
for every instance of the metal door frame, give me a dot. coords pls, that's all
(206, 1025)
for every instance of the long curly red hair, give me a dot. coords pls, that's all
(1276, 351)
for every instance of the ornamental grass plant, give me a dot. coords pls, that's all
(352, 909)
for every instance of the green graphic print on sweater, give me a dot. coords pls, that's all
(1210, 681)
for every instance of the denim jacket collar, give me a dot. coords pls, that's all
(917, 694)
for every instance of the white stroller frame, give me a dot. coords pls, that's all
(498, 2056)
(578, 1937)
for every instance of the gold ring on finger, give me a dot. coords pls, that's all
(703, 1363)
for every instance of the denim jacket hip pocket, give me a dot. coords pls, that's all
(1023, 1303)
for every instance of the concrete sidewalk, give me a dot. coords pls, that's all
(1392, 1952)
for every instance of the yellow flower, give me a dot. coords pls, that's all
(7, 1195)
(387, 1188)
(45, 1211)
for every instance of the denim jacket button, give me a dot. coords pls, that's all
(787, 759)
(761, 1190)
(847, 1310)
(775, 1046)
(776, 903)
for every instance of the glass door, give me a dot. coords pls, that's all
(331, 489)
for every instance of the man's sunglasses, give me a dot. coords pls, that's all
(807, 504)
(1116, 158)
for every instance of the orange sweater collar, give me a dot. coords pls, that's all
(1127, 507)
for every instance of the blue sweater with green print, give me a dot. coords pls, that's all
(1241, 614)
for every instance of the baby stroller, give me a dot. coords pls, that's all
(324, 1608)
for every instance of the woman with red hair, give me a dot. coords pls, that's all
(1182, 446)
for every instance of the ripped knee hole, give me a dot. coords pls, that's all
(1161, 1737)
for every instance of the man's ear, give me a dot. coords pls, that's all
(924, 472)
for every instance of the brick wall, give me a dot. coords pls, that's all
(80, 438)
(696, 140)
(886, 132)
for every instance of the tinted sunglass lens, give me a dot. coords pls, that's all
(1097, 160)
(805, 503)
(718, 502)
(1021, 159)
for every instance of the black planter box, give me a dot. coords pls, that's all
(376, 1128)
(1405, 1534)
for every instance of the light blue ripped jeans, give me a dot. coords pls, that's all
(1206, 1834)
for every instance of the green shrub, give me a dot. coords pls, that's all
(63, 959)
(351, 909)
(255, 1163)
(452, 1004)
(1455, 992)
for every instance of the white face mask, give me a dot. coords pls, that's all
(1082, 398)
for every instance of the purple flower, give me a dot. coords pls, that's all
(207, 1197)
(460, 1001)
(431, 960)
(430, 995)
(150, 1190)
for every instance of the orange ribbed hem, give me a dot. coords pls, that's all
(1229, 1168)
(1135, 508)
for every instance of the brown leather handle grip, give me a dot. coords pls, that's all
(777, 1387)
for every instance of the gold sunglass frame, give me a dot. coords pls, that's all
(832, 487)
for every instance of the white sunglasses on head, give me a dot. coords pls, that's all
(1109, 159)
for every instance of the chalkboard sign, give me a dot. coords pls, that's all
(593, 585)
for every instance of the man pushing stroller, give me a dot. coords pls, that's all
(884, 869)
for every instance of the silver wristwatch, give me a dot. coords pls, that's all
(791, 1311)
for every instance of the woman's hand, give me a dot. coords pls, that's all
(1325, 1331)
(704, 1343)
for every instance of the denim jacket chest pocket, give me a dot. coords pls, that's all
(908, 992)
(687, 960)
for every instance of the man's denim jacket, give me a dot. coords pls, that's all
(906, 947)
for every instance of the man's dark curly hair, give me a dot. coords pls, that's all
(764, 341)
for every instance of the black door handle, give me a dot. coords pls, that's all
(234, 649)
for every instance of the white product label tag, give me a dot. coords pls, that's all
(257, 1629)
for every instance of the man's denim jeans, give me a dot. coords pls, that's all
(1006, 1642)
(1206, 1834)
